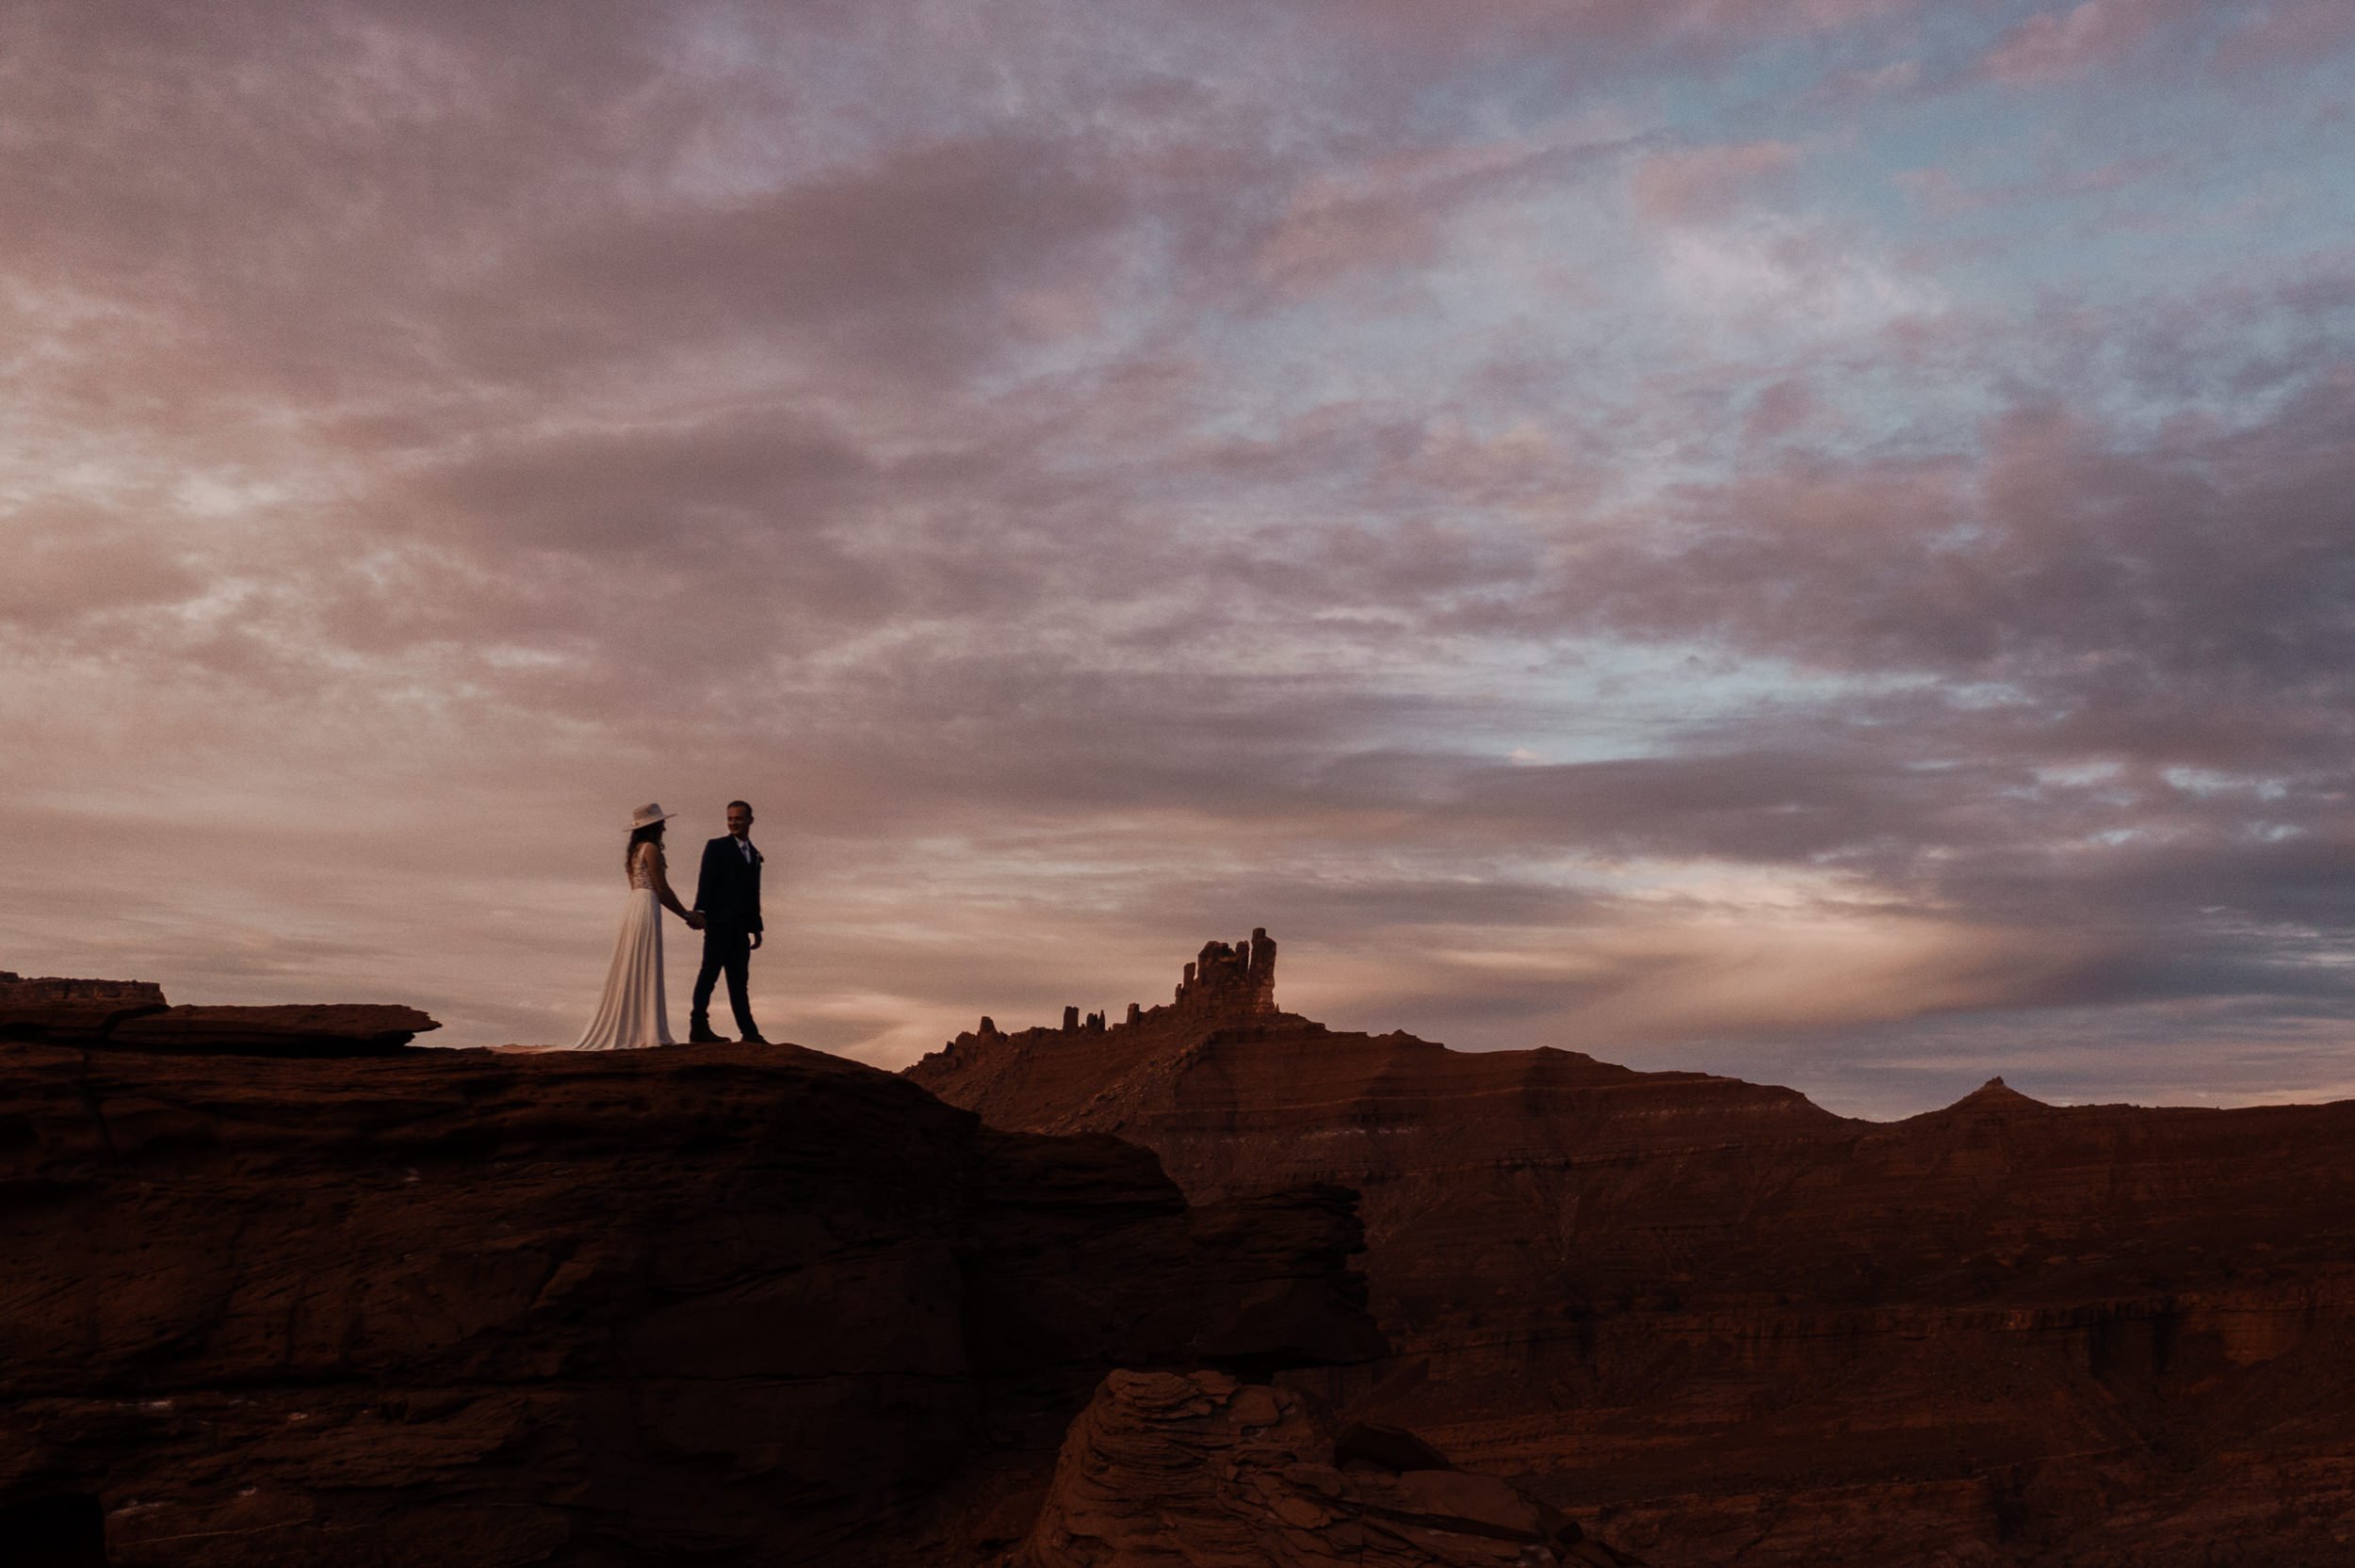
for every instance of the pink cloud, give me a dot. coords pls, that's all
(434, 428)
(1596, 23)
(1782, 408)
(1890, 80)
(66, 562)
(1696, 184)
(1396, 211)
(1940, 192)
(1328, 229)
(2057, 47)
(2289, 30)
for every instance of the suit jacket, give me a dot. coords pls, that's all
(727, 890)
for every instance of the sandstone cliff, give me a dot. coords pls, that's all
(1731, 1326)
(726, 1305)
(133, 1015)
(1199, 1469)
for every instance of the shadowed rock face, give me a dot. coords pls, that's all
(133, 1015)
(729, 1304)
(1165, 1464)
(1721, 1321)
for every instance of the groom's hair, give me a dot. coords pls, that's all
(746, 804)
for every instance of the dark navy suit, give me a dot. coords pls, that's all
(727, 891)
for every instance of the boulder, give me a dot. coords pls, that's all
(1198, 1468)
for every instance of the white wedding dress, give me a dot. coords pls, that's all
(632, 1011)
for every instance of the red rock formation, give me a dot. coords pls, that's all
(1728, 1323)
(1227, 982)
(455, 1307)
(1225, 985)
(80, 1011)
(1166, 1467)
(131, 1014)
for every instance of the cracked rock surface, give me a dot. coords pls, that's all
(1718, 1323)
(734, 1305)
(1200, 1470)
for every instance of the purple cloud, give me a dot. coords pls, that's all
(1727, 534)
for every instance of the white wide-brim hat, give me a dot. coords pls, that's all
(648, 816)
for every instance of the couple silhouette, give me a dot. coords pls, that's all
(633, 1012)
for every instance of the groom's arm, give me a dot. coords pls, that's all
(702, 877)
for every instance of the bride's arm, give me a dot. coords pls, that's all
(662, 891)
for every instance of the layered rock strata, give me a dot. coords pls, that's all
(725, 1305)
(1203, 1470)
(1727, 1324)
(133, 1015)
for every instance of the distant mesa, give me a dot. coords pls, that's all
(133, 1015)
(1994, 1097)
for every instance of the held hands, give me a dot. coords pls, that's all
(694, 918)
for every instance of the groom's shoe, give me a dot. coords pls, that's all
(750, 1036)
(699, 1033)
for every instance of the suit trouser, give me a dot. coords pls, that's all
(727, 952)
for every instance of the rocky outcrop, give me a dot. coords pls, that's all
(1230, 982)
(1224, 984)
(133, 1015)
(737, 1305)
(76, 1012)
(1203, 1470)
(1725, 1323)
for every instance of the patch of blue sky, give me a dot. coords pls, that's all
(1480, 303)
(2184, 184)
(1558, 277)
(1411, 346)
(1601, 699)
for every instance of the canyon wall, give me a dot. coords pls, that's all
(1724, 1324)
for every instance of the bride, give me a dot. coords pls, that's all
(632, 1011)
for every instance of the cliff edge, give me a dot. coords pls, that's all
(732, 1305)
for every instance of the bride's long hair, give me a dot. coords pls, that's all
(650, 833)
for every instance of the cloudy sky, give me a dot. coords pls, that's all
(1813, 538)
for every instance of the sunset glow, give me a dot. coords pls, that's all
(1813, 540)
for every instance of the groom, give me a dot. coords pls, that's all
(727, 894)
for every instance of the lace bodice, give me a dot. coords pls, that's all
(644, 863)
